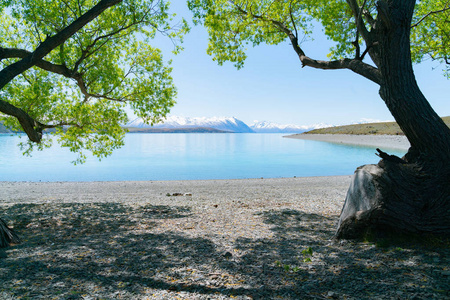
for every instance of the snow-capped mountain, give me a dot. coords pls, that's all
(225, 124)
(232, 125)
(269, 127)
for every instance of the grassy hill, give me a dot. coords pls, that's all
(390, 128)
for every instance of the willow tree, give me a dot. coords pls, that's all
(75, 67)
(378, 40)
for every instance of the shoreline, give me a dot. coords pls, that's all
(141, 191)
(398, 142)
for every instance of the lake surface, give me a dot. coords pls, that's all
(189, 156)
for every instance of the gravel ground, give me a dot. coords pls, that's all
(226, 239)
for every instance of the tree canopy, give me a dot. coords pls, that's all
(378, 40)
(83, 86)
(234, 24)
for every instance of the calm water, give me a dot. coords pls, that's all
(188, 156)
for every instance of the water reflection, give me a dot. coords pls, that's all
(189, 156)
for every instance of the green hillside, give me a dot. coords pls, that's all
(390, 128)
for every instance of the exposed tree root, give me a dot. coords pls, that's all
(7, 235)
(395, 198)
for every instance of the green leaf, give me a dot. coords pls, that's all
(108, 67)
(232, 25)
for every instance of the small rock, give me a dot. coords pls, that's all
(332, 295)
(227, 255)
(174, 194)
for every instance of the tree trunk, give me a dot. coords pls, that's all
(424, 129)
(411, 196)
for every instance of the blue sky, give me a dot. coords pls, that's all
(272, 86)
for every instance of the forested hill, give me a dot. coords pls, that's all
(390, 128)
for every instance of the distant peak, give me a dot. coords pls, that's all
(230, 124)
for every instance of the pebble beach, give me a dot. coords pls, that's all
(399, 142)
(214, 239)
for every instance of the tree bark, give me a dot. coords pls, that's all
(409, 196)
(391, 199)
(424, 129)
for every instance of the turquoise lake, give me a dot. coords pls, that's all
(189, 156)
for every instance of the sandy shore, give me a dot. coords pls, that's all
(330, 190)
(377, 141)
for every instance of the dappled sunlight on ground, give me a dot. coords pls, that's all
(113, 250)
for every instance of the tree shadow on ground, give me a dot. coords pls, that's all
(340, 269)
(110, 250)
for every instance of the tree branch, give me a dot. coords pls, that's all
(292, 19)
(369, 19)
(58, 69)
(358, 25)
(357, 14)
(86, 52)
(354, 65)
(367, 50)
(11, 71)
(49, 126)
(32, 128)
(429, 14)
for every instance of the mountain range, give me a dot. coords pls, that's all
(215, 124)
(176, 124)
(270, 127)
